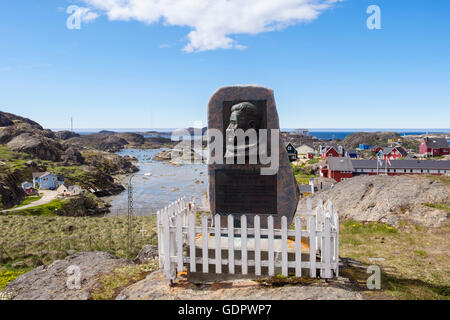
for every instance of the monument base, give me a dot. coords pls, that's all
(211, 276)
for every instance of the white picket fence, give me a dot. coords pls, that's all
(182, 243)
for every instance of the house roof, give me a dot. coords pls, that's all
(288, 143)
(390, 149)
(328, 148)
(436, 143)
(340, 164)
(403, 164)
(38, 174)
(352, 151)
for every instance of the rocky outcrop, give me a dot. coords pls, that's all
(154, 287)
(372, 138)
(8, 119)
(64, 135)
(133, 139)
(110, 163)
(388, 199)
(57, 281)
(5, 121)
(38, 146)
(147, 253)
(72, 157)
(10, 193)
(99, 141)
(163, 155)
(82, 206)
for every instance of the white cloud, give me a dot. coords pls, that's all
(213, 22)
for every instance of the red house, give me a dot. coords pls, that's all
(339, 168)
(394, 153)
(430, 147)
(376, 149)
(329, 152)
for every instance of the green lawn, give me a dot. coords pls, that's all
(414, 262)
(28, 200)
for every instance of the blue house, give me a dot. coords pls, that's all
(46, 181)
(364, 146)
(352, 154)
(26, 185)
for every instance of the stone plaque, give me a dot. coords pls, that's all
(239, 189)
(245, 191)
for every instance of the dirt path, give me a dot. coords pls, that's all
(47, 196)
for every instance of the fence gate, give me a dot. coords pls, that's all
(309, 247)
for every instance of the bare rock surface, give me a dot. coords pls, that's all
(388, 199)
(39, 146)
(155, 288)
(49, 282)
(64, 135)
(147, 253)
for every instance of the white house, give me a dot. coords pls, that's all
(69, 190)
(305, 149)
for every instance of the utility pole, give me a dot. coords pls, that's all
(130, 215)
(71, 124)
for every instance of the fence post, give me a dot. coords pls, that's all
(230, 244)
(270, 245)
(205, 243)
(192, 258)
(217, 235)
(257, 223)
(298, 247)
(312, 246)
(166, 243)
(336, 243)
(325, 254)
(244, 244)
(179, 241)
(284, 255)
(158, 233)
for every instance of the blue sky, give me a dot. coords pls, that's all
(330, 72)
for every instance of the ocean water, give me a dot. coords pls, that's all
(166, 183)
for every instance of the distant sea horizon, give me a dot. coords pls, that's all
(320, 133)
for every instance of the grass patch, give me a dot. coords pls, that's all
(28, 200)
(414, 262)
(8, 275)
(109, 285)
(441, 206)
(37, 240)
(421, 253)
(443, 179)
(302, 174)
(353, 228)
(49, 209)
(313, 161)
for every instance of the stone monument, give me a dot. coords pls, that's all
(248, 187)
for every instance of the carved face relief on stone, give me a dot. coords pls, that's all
(244, 116)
